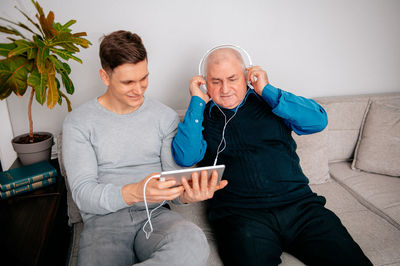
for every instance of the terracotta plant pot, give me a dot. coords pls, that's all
(30, 153)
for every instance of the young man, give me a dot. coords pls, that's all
(111, 146)
(268, 207)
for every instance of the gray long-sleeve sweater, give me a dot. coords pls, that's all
(104, 151)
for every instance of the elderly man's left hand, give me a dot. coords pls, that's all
(202, 187)
(258, 78)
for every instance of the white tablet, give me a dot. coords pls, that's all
(187, 173)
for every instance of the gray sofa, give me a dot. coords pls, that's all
(354, 163)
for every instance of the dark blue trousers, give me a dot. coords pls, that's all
(305, 229)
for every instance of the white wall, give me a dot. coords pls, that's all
(310, 47)
(7, 154)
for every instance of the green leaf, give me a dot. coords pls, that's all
(39, 42)
(69, 86)
(52, 92)
(59, 98)
(79, 34)
(67, 67)
(65, 40)
(59, 92)
(31, 53)
(30, 20)
(19, 24)
(67, 25)
(57, 26)
(5, 48)
(63, 71)
(47, 25)
(6, 91)
(81, 41)
(38, 7)
(12, 31)
(7, 30)
(13, 76)
(26, 27)
(42, 54)
(70, 47)
(58, 87)
(38, 81)
(22, 47)
(65, 54)
(61, 53)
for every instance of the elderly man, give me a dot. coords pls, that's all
(267, 207)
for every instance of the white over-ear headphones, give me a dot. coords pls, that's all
(233, 46)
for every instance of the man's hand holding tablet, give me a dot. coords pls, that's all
(199, 183)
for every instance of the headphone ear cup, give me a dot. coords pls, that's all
(247, 80)
(204, 88)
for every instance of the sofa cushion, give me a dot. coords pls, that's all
(313, 154)
(379, 193)
(345, 116)
(338, 199)
(379, 240)
(378, 147)
(344, 121)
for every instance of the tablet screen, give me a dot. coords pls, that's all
(187, 173)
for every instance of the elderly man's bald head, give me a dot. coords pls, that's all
(223, 54)
(225, 77)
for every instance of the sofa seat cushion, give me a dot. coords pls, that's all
(379, 193)
(379, 240)
(338, 199)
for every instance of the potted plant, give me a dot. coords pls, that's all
(37, 63)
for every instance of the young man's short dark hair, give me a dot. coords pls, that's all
(121, 47)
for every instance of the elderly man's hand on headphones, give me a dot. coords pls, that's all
(195, 90)
(257, 77)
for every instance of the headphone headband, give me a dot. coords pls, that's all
(236, 47)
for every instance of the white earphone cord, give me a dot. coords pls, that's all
(147, 209)
(223, 133)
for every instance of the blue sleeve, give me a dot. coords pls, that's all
(304, 116)
(189, 146)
